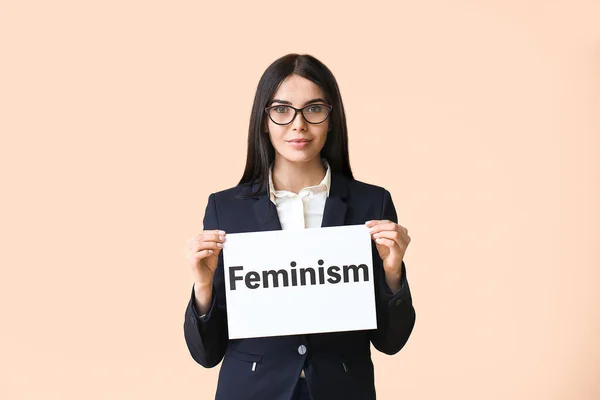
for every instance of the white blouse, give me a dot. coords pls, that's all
(302, 210)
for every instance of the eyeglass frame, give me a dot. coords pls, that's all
(299, 110)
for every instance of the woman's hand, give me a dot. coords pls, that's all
(202, 252)
(391, 240)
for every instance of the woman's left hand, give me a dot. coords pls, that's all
(391, 240)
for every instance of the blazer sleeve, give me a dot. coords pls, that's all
(395, 312)
(207, 336)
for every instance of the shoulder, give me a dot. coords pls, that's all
(360, 186)
(238, 192)
(367, 200)
(366, 190)
(375, 201)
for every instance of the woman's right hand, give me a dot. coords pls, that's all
(202, 253)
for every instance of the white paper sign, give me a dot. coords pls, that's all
(288, 282)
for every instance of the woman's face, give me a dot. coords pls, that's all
(298, 141)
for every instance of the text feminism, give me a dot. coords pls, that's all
(298, 276)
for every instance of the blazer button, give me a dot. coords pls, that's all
(302, 349)
(398, 302)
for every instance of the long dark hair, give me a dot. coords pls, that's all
(261, 152)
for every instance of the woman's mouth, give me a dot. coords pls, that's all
(299, 143)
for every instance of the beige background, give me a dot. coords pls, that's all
(119, 118)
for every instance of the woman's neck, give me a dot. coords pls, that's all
(294, 176)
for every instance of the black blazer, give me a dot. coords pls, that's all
(338, 364)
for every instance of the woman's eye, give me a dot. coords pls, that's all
(315, 109)
(282, 109)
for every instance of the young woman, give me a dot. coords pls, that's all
(297, 176)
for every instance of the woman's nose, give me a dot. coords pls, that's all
(299, 122)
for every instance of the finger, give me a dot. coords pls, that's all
(397, 237)
(217, 232)
(207, 246)
(401, 234)
(384, 226)
(194, 258)
(389, 243)
(374, 222)
(203, 254)
(393, 235)
(211, 237)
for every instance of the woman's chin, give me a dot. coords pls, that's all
(298, 156)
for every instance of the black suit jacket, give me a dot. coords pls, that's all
(338, 365)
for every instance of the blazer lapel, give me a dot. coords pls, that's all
(265, 212)
(335, 205)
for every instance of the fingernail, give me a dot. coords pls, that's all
(221, 233)
(210, 252)
(220, 244)
(222, 238)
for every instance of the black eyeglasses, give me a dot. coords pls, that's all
(313, 113)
